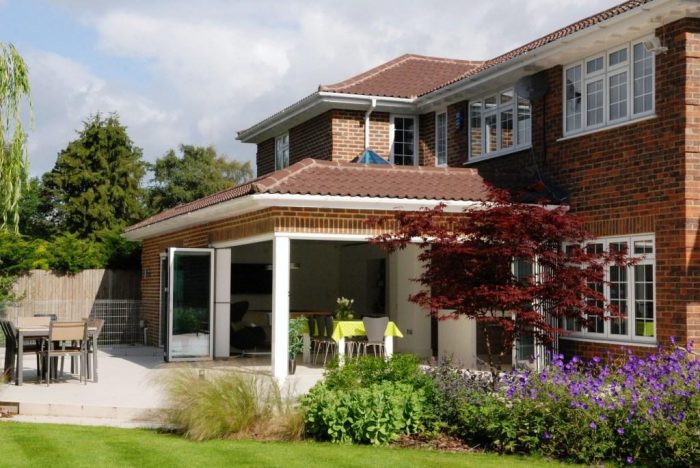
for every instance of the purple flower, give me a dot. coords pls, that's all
(620, 430)
(593, 425)
(630, 460)
(546, 436)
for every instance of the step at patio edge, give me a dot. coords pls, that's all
(88, 411)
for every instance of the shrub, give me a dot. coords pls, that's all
(366, 370)
(376, 414)
(228, 405)
(637, 410)
(69, 254)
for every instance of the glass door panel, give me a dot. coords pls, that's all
(191, 294)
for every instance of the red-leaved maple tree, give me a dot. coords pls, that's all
(470, 267)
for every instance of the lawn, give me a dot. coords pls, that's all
(24, 444)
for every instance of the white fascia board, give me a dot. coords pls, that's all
(323, 101)
(360, 203)
(428, 101)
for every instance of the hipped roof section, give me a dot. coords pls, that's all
(343, 179)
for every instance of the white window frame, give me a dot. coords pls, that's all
(516, 146)
(437, 137)
(605, 74)
(416, 152)
(281, 147)
(642, 259)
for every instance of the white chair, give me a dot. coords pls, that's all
(375, 327)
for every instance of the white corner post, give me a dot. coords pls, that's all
(280, 306)
(222, 303)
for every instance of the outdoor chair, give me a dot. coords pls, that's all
(326, 341)
(66, 339)
(375, 328)
(97, 324)
(244, 337)
(11, 349)
(314, 334)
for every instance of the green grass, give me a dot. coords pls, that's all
(24, 444)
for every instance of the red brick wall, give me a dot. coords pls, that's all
(632, 179)
(265, 157)
(349, 134)
(426, 130)
(311, 139)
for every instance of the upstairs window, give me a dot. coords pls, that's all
(612, 87)
(441, 139)
(498, 124)
(403, 140)
(282, 151)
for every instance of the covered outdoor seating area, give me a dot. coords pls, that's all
(51, 341)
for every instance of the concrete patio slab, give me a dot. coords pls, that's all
(129, 390)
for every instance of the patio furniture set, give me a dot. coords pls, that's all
(351, 337)
(51, 340)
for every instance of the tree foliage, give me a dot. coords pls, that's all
(469, 268)
(95, 183)
(198, 172)
(14, 89)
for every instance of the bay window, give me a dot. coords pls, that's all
(609, 88)
(499, 123)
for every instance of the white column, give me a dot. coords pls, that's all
(280, 306)
(222, 303)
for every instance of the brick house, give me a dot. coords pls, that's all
(603, 111)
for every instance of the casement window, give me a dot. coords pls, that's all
(404, 145)
(612, 87)
(630, 289)
(282, 151)
(499, 123)
(441, 139)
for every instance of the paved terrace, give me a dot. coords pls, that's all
(128, 391)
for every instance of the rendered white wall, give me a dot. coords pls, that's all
(413, 322)
(457, 339)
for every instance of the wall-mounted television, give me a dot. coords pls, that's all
(251, 278)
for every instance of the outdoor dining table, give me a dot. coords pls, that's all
(37, 332)
(347, 328)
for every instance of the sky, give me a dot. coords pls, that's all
(197, 71)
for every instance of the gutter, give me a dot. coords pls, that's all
(372, 105)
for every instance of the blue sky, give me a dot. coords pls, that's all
(194, 72)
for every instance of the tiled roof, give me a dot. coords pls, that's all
(406, 76)
(315, 177)
(544, 40)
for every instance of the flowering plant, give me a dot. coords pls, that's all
(343, 308)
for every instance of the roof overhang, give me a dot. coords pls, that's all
(626, 26)
(316, 104)
(256, 202)
(623, 27)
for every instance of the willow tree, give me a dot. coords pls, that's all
(14, 89)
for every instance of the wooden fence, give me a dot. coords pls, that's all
(41, 285)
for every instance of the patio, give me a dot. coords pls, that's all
(128, 391)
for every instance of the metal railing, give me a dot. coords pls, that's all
(122, 317)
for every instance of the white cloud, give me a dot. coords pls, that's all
(65, 93)
(218, 66)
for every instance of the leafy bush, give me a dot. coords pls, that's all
(376, 414)
(455, 389)
(366, 370)
(69, 254)
(370, 400)
(641, 410)
(228, 405)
